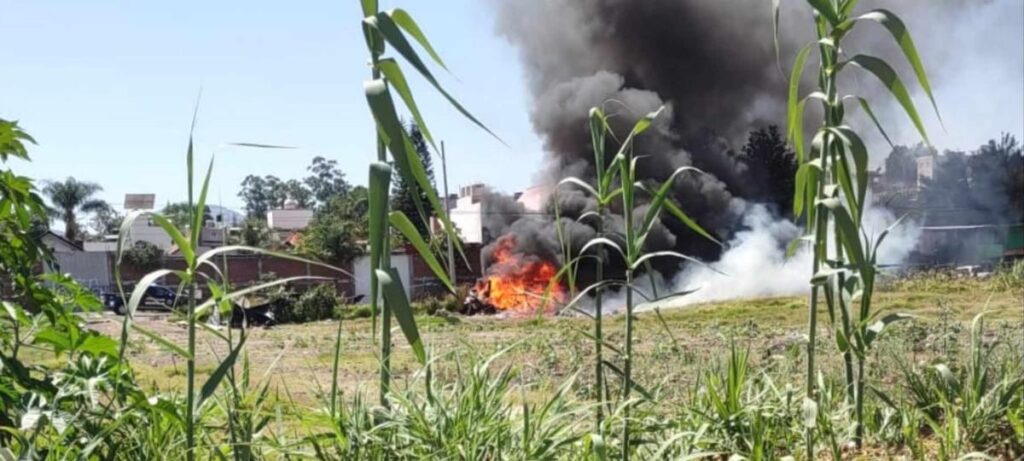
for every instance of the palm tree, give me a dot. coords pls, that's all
(71, 196)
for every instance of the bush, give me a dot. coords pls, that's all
(315, 304)
(144, 255)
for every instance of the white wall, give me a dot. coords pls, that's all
(289, 219)
(361, 271)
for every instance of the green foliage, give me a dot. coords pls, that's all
(325, 181)
(255, 233)
(107, 222)
(144, 255)
(338, 229)
(402, 193)
(70, 197)
(831, 186)
(383, 29)
(317, 303)
(774, 165)
(180, 214)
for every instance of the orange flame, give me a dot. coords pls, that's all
(515, 283)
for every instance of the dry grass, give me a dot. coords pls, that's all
(298, 357)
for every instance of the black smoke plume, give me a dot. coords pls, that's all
(711, 63)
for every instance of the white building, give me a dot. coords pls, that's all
(467, 215)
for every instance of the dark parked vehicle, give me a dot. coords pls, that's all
(157, 296)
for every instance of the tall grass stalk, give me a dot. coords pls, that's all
(394, 29)
(831, 189)
(627, 242)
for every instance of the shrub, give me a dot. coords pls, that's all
(315, 304)
(144, 255)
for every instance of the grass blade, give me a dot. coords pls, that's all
(891, 80)
(394, 295)
(401, 222)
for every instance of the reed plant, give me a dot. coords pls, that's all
(397, 29)
(831, 190)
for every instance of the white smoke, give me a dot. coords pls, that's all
(755, 264)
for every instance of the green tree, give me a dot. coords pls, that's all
(70, 197)
(339, 230)
(178, 213)
(773, 165)
(404, 193)
(256, 195)
(255, 233)
(107, 222)
(326, 180)
(298, 192)
(144, 255)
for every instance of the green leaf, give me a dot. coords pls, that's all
(643, 391)
(899, 32)
(661, 254)
(401, 222)
(394, 295)
(881, 70)
(257, 288)
(795, 244)
(387, 28)
(824, 8)
(99, 345)
(598, 131)
(871, 114)
(369, 7)
(183, 244)
(139, 293)
(197, 222)
(211, 384)
(579, 183)
(166, 343)
(407, 160)
(681, 215)
(873, 331)
(210, 254)
(657, 202)
(860, 162)
(393, 73)
(380, 179)
(851, 238)
(406, 22)
(794, 107)
(379, 187)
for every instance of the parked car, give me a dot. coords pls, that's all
(157, 296)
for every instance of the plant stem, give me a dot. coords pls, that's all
(598, 346)
(191, 367)
(627, 367)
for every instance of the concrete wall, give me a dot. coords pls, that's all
(92, 270)
(361, 271)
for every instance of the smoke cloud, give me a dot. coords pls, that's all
(713, 66)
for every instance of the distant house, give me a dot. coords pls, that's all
(58, 244)
(89, 269)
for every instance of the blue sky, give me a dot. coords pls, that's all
(107, 89)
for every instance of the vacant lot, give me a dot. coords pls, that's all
(297, 358)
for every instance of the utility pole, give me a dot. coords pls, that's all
(447, 211)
